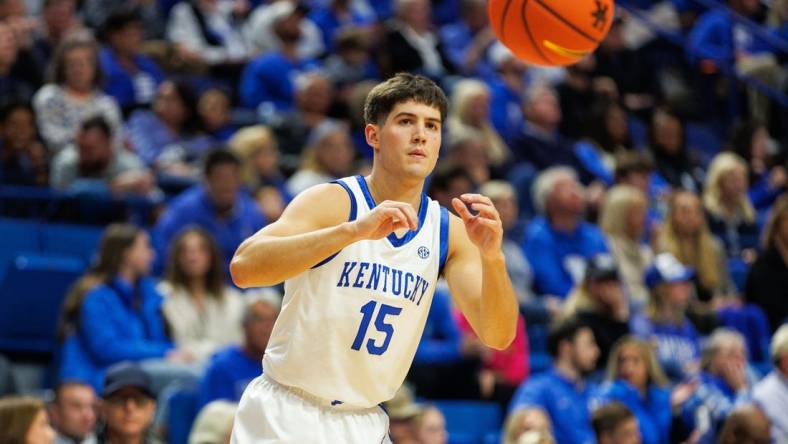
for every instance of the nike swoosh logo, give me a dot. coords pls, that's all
(566, 52)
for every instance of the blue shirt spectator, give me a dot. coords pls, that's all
(718, 37)
(268, 79)
(677, 344)
(118, 321)
(220, 206)
(652, 409)
(468, 39)
(440, 342)
(339, 14)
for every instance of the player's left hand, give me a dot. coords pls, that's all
(484, 229)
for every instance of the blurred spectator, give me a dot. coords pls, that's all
(73, 413)
(214, 423)
(635, 379)
(96, 12)
(468, 39)
(771, 393)
(257, 148)
(410, 43)
(206, 31)
(402, 412)
(725, 382)
(23, 159)
(274, 26)
(623, 220)
(7, 384)
(59, 19)
(576, 92)
(215, 108)
(563, 391)
(431, 426)
(730, 212)
(614, 423)
(768, 277)
(92, 165)
(337, 16)
(507, 86)
(636, 168)
(128, 406)
(600, 303)
(13, 84)
(24, 420)
(130, 77)
(767, 177)
(73, 95)
(314, 94)
(170, 127)
(607, 134)
(328, 155)
(687, 237)
(267, 82)
(665, 321)
(470, 112)
(539, 141)
(201, 310)
(23, 25)
(745, 425)
(351, 61)
(667, 142)
(466, 149)
(504, 197)
(450, 181)
(218, 205)
(558, 242)
(113, 313)
(232, 368)
(527, 425)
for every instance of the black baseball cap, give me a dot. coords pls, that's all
(602, 267)
(127, 374)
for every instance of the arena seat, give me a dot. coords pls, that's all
(73, 240)
(32, 295)
(17, 236)
(470, 421)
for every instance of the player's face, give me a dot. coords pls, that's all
(408, 142)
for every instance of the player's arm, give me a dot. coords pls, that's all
(313, 227)
(476, 271)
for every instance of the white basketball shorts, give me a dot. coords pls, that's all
(270, 413)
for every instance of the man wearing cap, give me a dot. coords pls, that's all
(665, 320)
(128, 406)
(771, 393)
(600, 303)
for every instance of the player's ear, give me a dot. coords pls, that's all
(372, 135)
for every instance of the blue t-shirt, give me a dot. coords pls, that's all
(228, 374)
(126, 88)
(678, 345)
(565, 403)
(440, 342)
(270, 78)
(557, 258)
(653, 411)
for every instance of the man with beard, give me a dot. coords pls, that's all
(563, 391)
(92, 165)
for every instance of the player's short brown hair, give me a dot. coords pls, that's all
(401, 88)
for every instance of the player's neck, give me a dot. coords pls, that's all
(383, 187)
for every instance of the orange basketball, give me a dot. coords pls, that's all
(551, 32)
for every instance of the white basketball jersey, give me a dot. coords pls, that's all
(349, 327)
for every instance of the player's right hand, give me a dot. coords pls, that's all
(387, 217)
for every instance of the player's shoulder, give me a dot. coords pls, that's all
(325, 204)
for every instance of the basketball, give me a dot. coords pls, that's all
(551, 32)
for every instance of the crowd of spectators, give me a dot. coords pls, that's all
(641, 190)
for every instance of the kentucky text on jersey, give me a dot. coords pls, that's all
(380, 277)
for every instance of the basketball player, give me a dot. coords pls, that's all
(360, 258)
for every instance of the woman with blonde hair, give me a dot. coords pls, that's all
(258, 149)
(470, 112)
(768, 278)
(687, 237)
(635, 378)
(329, 155)
(529, 425)
(730, 211)
(623, 220)
(23, 420)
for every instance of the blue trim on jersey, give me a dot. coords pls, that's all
(396, 241)
(351, 218)
(444, 239)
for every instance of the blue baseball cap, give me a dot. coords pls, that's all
(666, 269)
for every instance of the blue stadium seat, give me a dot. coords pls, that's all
(73, 240)
(470, 421)
(17, 236)
(181, 413)
(32, 295)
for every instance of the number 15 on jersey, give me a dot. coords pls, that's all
(368, 311)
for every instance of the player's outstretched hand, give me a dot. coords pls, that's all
(387, 217)
(484, 229)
